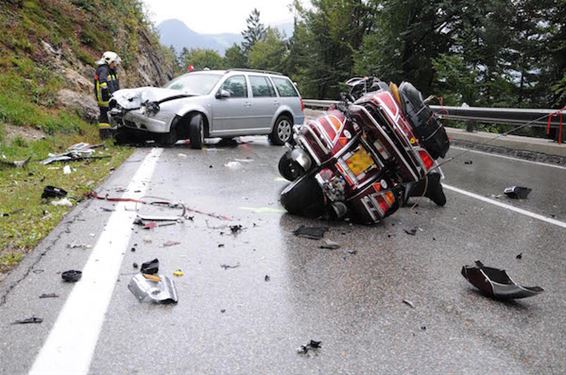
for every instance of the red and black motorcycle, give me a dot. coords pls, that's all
(367, 156)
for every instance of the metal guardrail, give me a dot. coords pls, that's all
(538, 117)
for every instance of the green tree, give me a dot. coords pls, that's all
(254, 32)
(270, 53)
(234, 57)
(202, 58)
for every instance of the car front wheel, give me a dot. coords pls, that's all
(282, 130)
(196, 132)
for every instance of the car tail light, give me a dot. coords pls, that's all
(427, 160)
(302, 104)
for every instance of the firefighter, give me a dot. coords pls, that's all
(105, 84)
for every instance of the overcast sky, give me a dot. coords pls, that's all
(219, 16)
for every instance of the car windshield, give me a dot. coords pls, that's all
(195, 84)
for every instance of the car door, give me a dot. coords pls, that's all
(264, 102)
(231, 115)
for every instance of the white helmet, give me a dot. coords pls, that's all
(109, 57)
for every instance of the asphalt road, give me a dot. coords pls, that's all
(233, 321)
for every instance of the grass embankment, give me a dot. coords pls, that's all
(30, 219)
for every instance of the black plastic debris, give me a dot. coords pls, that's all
(222, 311)
(495, 283)
(313, 233)
(409, 303)
(468, 162)
(32, 320)
(135, 265)
(519, 256)
(411, 231)
(267, 278)
(53, 192)
(517, 192)
(151, 267)
(352, 252)
(330, 245)
(227, 266)
(423, 328)
(71, 276)
(312, 345)
(49, 295)
(236, 228)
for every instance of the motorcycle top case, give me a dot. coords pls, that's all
(431, 133)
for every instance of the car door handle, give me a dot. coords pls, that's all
(247, 104)
(276, 102)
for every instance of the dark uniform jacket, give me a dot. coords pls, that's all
(105, 83)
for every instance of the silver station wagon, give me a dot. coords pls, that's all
(209, 104)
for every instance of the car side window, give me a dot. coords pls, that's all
(285, 87)
(236, 86)
(261, 87)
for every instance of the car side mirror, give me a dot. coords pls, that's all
(222, 94)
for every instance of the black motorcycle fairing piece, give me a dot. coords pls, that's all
(495, 283)
(430, 132)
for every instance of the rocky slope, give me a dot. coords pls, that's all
(47, 57)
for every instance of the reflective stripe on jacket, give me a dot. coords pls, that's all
(105, 83)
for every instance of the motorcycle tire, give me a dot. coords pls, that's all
(289, 168)
(304, 197)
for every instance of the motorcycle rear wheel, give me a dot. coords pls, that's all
(304, 197)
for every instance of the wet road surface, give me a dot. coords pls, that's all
(233, 321)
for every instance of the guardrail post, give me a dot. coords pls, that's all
(471, 126)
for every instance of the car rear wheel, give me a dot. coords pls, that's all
(196, 132)
(282, 130)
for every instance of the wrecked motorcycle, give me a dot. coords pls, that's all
(367, 156)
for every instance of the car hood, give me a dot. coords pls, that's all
(133, 98)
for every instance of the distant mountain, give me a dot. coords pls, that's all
(175, 33)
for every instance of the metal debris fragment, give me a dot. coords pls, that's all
(49, 295)
(313, 233)
(411, 231)
(330, 245)
(409, 303)
(158, 289)
(495, 283)
(227, 266)
(32, 320)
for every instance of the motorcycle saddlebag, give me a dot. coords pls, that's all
(431, 133)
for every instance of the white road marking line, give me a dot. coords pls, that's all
(71, 343)
(507, 206)
(509, 157)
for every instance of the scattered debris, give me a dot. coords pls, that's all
(135, 265)
(495, 282)
(409, 303)
(423, 328)
(71, 276)
(53, 192)
(133, 249)
(236, 228)
(182, 155)
(313, 233)
(79, 151)
(171, 243)
(62, 202)
(178, 273)
(106, 209)
(222, 311)
(14, 164)
(75, 245)
(220, 245)
(267, 278)
(49, 295)
(32, 320)
(330, 245)
(519, 256)
(147, 239)
(158, 289)
(312, 345)
(227, 266)
(233, 165)
(150, 225)
(468, 162)
(411, 231)
(517, 192)
(352, 252)
(151, 267)
(67, 169)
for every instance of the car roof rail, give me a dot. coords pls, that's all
(254, 71)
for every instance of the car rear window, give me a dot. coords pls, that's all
(261, 87)
(285, 87)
